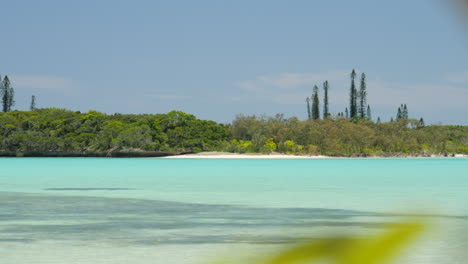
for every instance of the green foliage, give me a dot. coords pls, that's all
(340, 137)
(7, 94)
(32, 107)
(362, 95)
(402, 112)
(353, 96)
(326, 111)
(382, 247)
(53, 129)
(315, 104)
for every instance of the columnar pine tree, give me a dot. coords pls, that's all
(362, 97)
(4, 95)
(1, 90)
(378, 120)
(353, 97)
(399, 114)
(421, 122)
(7, 94)
(346, 113)
(309, 115)
(369, 114)
(315, 104)
(325, 100)
(33, 103)
(402, 112)
(405, 112)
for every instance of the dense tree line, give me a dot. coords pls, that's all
(339, 137)
(52, 129)
(352, 133)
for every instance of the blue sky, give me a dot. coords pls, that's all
(216, 59)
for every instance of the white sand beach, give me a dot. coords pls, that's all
(228, 155)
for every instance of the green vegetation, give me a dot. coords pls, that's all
(362, 97)
(7, 94)
(48, 131)
(353, 95)
(315, 104)
(33, 103)
(326, 111)
(55, 130)
(340, 137)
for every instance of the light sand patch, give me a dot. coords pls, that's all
(228, 155)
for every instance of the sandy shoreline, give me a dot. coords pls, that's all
(228, 155)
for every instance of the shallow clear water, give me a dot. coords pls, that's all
(114, 210)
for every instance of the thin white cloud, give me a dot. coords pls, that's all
(461, 78)
(291, 81)
(167, 95)
(420, 96)
(293, 88)
(43, 82)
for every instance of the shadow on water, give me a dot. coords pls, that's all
(88, 189)
(28, 217)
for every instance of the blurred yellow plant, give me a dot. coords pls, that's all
(374, 249)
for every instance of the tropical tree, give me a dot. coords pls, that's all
(405, 112)
(309, 114)
(362, 97)
(421, 122)
(353, 97)
(326, 112)
(33, 103)
(7, 93)
(369, 114)
(315, 104)
(402, 112)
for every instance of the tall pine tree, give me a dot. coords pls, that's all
(421, 122)
(346, 113)
(405, 112)
(353, 97)
(369, 114)
(315, 104)
(33, 103)
(399, 113)
(7, 94)
(326, 113)
(362, 97)
(309, 114)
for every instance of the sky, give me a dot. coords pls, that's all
(216, 59)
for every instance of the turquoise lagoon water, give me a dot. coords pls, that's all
(97, 210)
